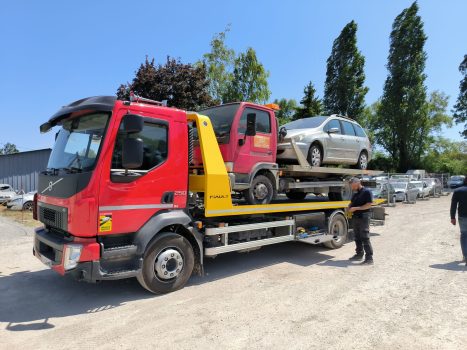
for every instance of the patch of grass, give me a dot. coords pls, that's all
(23, 217)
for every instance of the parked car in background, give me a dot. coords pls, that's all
(325, 140)
(416, 174)
(423, 189)
(22, 202)
(436, 187)
(6, 193)
(384, 190)
(456, 181)
(401, 177)
(405, 191)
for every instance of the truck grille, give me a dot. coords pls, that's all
(53, 216)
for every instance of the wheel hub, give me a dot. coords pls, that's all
(261, 191)
(315, 157)
(363, 161)
(337, 230)
(169, 264)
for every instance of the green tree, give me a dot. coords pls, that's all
(219, 65)
(8, 148)
(183, 85)
(460, 108)
(403, 111)
(287, 110)
(446, 156)
(310, 104)
(344, 90)
(249, 80)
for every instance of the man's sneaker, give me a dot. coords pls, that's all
(356, 257)
(368, 262)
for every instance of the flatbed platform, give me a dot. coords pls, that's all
(325, 172)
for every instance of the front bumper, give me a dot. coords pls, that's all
(285, 151)
(51, 249)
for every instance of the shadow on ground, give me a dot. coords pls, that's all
(29, 299)
(452, 266)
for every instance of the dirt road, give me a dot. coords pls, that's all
(290, 296)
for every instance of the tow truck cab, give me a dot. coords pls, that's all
(245, 157)
(92, 206)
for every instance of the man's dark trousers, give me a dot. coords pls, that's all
(361, 229)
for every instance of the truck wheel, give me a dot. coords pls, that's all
(296, 196)
(261, 191)
(337, 227)
(167, 263)
(315, 156)
(345, 193)
(362, 163)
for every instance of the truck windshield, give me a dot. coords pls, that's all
(221, 118)
(78, 143)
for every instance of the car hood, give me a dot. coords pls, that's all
(297, 132)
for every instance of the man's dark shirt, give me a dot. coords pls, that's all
(459, 202)
(361, 197)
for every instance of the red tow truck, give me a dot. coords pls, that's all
(137, 189)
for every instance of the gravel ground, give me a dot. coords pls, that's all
(291, 295)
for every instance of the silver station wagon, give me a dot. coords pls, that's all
(325, 140)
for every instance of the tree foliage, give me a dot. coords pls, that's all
(446, 156)
(344, 90)
(460, 108)
(219, 65)
(403, 120)
(183, 85)
(310, 103)
(8, 148)
(249, 80)
(287, 110)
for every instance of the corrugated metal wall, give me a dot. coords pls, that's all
(21, 170)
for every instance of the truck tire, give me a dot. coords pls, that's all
(296, 196)
(345, 193)
(167, 263)
(261, 191)
(338, 227)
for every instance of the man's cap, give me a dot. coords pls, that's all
(355, 180)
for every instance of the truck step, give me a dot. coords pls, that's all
(119, 252)
(119, 274)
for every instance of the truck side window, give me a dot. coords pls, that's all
(154, 136)
(263, 121)
(332, 124)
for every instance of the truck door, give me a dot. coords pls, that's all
(252, 150)
(128, 199)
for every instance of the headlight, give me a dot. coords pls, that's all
(72, 255)
(299, 138)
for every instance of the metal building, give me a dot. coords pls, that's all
(21, 170)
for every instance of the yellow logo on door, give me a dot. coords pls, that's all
(105, 223)
(261, 141)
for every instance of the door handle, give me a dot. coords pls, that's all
(167, 198)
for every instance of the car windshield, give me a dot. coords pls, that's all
(78, 143)
(221, 118)
(305, 123)
(418, 184)
(399, 185)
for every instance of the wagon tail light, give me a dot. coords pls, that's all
(34, 207)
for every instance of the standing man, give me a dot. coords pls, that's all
(459, 203)
(360, 206)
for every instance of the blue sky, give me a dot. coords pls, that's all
(55, 52)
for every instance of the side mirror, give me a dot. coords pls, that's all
(333, 131)
(250, 124)
(133, 123)
(282, 133)
(132, 153)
